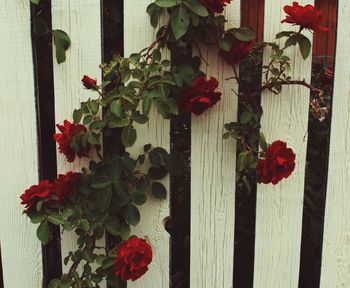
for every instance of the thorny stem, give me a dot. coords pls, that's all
(293, 82)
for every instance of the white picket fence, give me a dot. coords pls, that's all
(279, 208)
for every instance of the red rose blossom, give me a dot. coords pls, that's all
(88, 82)
(35, 193)
(133, 257)
(65, 185)
(68, 131)
(279, 163)
(201, 95)
(239, 50)
(305, 16)
(215, 6)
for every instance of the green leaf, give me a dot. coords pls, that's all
(84, 225)
(128, 136)
(55, 219)
(166, 3)
(54, 283)
(66, 283)
(304, 45)
(118, 123)
(244, 34)
(225, 43)
(43, 232)
(125, 231)
(62, 43)
(101, 182)
(284, 34)
(156, 55)
(138, 117)
(94, 139)
(245, 117)
(180, 21)
(113, 228)
(157, 173)
(36, 2)
(36, 217)
(132, 215)
(116, 108)
(77, 115)
(87, 119)
(242, 160)
(104, 199)
(158, 190)
(263, 143)
(146, 105)
(155, 159)
(291, 41)
(197, 7)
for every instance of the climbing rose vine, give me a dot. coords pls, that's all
(106, 195)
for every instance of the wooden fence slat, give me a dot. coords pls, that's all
(335, 271)
(138, 35)
(279, 208)
(82, 22)
(20, 249)
(213, 178)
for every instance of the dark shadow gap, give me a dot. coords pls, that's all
(179, 225)
(112, 42)
(44, 92)
(318, 152)
(1, 273)
(252, 15)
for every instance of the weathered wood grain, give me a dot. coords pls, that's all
(138, 35)
(213, 178)
(83, 24)
(279, 208)
(20, 249)
(335, 270)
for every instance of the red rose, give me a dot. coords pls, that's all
(239, 50)
(65, 185)
(88, 82)
(68, 131)
(279, 163)
(215, 5)
(35, 193)
(133, 257)
(305, 16)
(201, 95)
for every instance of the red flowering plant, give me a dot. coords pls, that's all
(107, 194)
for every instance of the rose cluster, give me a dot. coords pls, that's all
(47, 192)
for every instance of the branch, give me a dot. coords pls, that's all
(293, 82)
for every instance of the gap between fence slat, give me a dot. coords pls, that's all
(213, 162)
(336, 241)
(20, 249)
(82, 22)
(279, 208)
(138, 35)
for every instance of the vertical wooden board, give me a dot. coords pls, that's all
(138, 35)
(213, 178)
(335, 271)
(83, 24)
(279, 208)
(20, 249)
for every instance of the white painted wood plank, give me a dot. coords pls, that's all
(20, 249)
(279, 208)
(83, 24)
(138, 35)
(213, 178)
(336, 242)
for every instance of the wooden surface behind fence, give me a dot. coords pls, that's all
(20, 250)
(279, 208)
